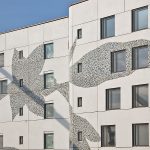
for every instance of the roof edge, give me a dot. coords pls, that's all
(78, 3)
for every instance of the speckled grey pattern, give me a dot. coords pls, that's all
(97, 64)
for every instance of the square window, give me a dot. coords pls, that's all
(79, 67)
(118, 61)
(140, 134)
(113, 99)
(20, 54)
(21, 111)
(80, 136)
(48, 140)
(48, 51)
(140, 96)
(108, 136)
(49, 110)
(3, 87)
(79, 33)
(108, 27)
(140, 18)
(20, 140)
(140, 57)
(2, 60)
(21, 82)
(79, 101)
(48, 80)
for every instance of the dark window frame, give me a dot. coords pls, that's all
(45, 87)
(21, 82)
(20, 140)
(80, 136)
(21, 111)
(1, 82)
(79, 33)
(79, 101)
(21, 54)
(2, 65)
(79, 67)
(45, 117)
(45, 54)
(45, 134)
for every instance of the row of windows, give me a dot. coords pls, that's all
(140, 135)
(118, 59)
(113, 97)
(139, 22)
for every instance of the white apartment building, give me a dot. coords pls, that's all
(79, 82)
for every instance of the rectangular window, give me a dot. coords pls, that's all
(140, 134)
(48, 50)
(49, 110)
(108, 136)
(140, 96)
(1, 141)
(140, 19)
(20, 140)
(108, 27)
(48, 80)
(113, 99)
(140, 57)
(20, 54)
(21, 82)
(48, 140)
(2, 60)
(3, 87)
(118, 61)
(21, 111)
(79, 101)
(79, 67)
(79, 33)
(80, 136)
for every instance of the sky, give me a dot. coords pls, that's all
(20, 13)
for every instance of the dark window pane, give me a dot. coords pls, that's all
(80, 136)
(3, 87)
(20, 54)
(48, 80)
(140, 18)
(79, 67)
(21, 111)
(140, 96)
(118, 61)
(48, 50)
(21, 82)
(49, 110)
(20, 139)
(140, 57)
(1, 141)
(79, 101)
(108, 136)
(108, 27)
(48, 141)
(79, 33)
(2, 60)
(140, 135)
(113, 99)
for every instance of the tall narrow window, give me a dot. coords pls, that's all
(79, 67)
(112, 99)
(21, 111)
(80, 136)
(48, 140)
(20, 54)
(49, 110)
(48, 80)
(140, 57)
(140, 95)
(79, 33)
(20, 140)
(140, 18)
(48, 51)
(108, 136)
(140, 134)
(118, 61)
(79, 101)
(3, 87)
(21, 82)
(2, 60)
(1, 141)
(107, 27)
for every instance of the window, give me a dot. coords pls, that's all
(112, 99)
(80, 136)
(3, 87)
(107, 27)
(79, 67)
(20, 54)
(108, 136)
(140, 57)
(48, 51)
(48, 80)
(140, 96)
(20, 140)
(140, 19)
(21, 82)
(1, 141)
(118, 60)
(48, 140)
(2, 60)
(79, 101)
(49, 110)
(140, 135)
(21, 111)
(79, 33)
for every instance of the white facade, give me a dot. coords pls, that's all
(69, 119)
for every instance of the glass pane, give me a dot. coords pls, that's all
(49, 80)
(79, 67)
(49, 110)
(2, 60)
(49, 140)
(48, 50)
(4, 87)
(110, 27)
